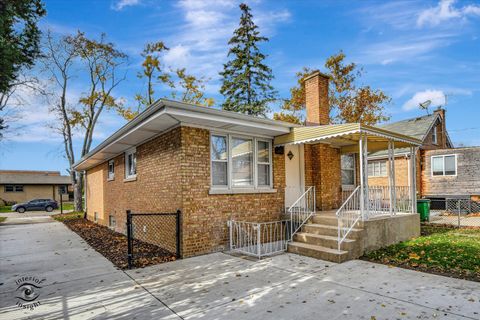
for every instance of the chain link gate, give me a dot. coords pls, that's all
(153, 235)
(457, 212)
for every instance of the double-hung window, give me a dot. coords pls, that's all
(445, 165)
(348, 169)
(377, 168)
(239, 162)
(111, 169)
(218, 151)
(434, 135)
(264, 163)
(131, 164)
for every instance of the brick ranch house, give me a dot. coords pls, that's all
(217, 166)
(18, 186)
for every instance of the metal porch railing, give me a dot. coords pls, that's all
(301, 210)
(348, 215)
(259, 239)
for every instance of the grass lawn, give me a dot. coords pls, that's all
(67, 216)
(67, 206)
(440, 249)
(5, 209)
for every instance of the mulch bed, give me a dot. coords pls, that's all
(113, 245)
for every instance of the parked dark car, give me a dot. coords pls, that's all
(36, 205)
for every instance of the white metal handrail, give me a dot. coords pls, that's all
(301, 210)
(348, 215)
(258, 239)
(381, 202)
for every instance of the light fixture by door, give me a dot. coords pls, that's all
(290, 154)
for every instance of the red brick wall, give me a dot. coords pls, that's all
(316, 99)
(173, 172)
(323, 170)
(157, 186)
(205, 216)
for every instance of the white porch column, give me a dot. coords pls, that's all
(390, 184)
(365, 173)
(393, 190)
(363, 155)
(362, 174)
(413, 179)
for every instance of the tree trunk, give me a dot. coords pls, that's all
(78, 192)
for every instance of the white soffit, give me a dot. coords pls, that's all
(165, 115)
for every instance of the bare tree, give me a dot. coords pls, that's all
(13, 99)
(100, 61)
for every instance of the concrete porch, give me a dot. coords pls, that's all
(319, 236)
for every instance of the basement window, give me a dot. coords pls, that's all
(112, 222)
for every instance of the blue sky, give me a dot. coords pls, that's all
(413, 50)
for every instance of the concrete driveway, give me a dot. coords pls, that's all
(79, 282)
(29, 216)
(82, 284)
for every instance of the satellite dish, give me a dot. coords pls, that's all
(424, 105)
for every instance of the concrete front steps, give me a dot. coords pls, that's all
(319, 239)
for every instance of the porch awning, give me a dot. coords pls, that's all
(346, 137)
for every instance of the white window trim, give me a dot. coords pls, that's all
(127, 153)
(227, 142)
(111, 177)
(229, 188)
(373, 173)
(443, 156)
(349, 186)
(434, 135)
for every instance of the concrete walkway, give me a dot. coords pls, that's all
(81, 284)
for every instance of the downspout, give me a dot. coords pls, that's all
(85, 194)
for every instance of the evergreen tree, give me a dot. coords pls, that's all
(246, 79)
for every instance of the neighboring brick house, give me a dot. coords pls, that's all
(216, 165)
(430, 129)
(25, 185)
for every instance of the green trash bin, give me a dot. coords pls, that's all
(423, 208)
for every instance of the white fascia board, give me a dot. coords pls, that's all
(227, 120)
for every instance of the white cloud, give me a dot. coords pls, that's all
(446, 11)
(404, 48)
(177, 56)
(437, 97)
(200, 43)
(120, 4)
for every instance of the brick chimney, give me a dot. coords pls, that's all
(316, 99)
(442, 128)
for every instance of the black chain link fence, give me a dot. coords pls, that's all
(153, 236)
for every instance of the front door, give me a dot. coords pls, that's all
(294, 176)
